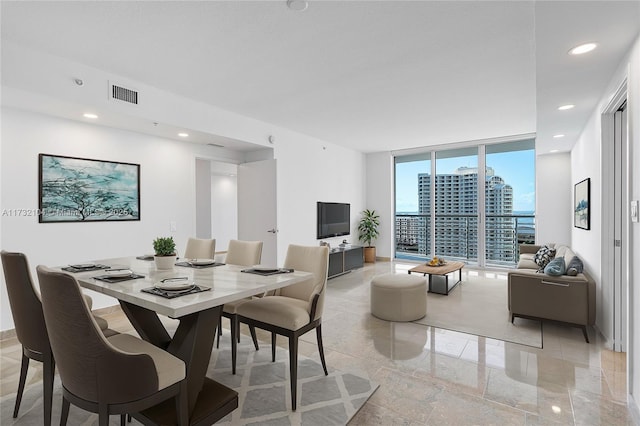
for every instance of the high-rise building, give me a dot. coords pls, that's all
(456, 209)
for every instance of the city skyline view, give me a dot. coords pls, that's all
(516, 168)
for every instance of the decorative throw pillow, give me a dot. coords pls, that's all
(575, 266)
(555, 267)
(544, 256)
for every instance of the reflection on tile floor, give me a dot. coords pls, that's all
(435, 376)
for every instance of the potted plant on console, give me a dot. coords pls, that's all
(165, 252)
(368, 232)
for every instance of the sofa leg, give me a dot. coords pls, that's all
(512, 318)
(584, 331)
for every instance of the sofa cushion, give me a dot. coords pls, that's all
(526, 261)
(575, 266)
(555, 267)
(544, 256)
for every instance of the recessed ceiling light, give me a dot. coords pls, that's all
(554, 150)
(566, 107)
(89, 115)
(183, 135)
(583, 48)
(558, 136)
(297, 5)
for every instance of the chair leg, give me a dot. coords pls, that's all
(235, 329)
(512, 318)
(293, 369)
(123, 419)
(321, 348)
(64, 414)
(273, 347)
(103, 415)
(252, 329)
(219, 330)
(24, 367)
(49, 368)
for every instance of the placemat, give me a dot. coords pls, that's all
(111, 279)
(145, 257)
(263, 273)
(170, 294)
(93, 268)
(188, 265)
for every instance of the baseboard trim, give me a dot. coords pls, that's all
(634, 409)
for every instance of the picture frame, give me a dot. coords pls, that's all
(73, 189)
(582, 204)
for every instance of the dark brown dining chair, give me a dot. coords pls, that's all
(31, 331)
(293, 310)
(121, 374)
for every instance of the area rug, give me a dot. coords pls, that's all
(479, 306)
(262, 385)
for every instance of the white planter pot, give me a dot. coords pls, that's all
(164, 262)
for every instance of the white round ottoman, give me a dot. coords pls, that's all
(399, 297)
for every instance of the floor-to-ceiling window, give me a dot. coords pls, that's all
(413, 220)
(474, 203)
(456, 204)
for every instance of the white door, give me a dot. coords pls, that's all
(620, 272)
(257, 207)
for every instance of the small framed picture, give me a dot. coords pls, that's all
(582, 204)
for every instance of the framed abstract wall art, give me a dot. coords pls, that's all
(75, 189)
(582, 204)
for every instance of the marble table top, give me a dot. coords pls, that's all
(227, 284)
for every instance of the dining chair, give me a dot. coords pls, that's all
(121, 374)
(293, 310)
(243, 253)
(198, 248)
(31, 331)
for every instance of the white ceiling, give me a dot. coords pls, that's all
(369, 75)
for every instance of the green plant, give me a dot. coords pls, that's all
(368, 226)
(164, 246)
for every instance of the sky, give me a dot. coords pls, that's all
(517, 168)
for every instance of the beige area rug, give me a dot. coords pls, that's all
(479, 306)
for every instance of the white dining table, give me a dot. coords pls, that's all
(198, 315)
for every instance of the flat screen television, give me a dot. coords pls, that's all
(333, 219)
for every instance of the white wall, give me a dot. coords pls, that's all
(308, 171)
(224, 210)
(586, 162)
(554, 198)
(380, 196)
(203, 198)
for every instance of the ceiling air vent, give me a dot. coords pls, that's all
(123, 94)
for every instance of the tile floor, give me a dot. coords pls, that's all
(431, 376)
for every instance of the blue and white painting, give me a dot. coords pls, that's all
(84, 190)
(581, 204)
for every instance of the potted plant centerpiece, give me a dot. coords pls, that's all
(368, 232)
(165, 252)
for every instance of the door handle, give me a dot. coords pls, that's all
(273, 230)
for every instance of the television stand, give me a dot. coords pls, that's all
(345, 259)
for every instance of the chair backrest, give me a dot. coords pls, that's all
(90, 367)
(314, 259)
(245, 253)
(26, 307)
(198, 248)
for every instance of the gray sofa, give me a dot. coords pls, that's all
(536, 295)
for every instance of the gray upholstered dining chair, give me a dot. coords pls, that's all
(121, 374)
(198, 248)
(293, 310)
(243, 253)
(31, 331)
